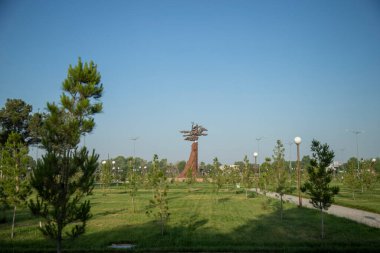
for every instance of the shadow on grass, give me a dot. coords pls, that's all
(223, 200)
(298, 232)
(110, 212)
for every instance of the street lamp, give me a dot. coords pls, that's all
(255, 154)
(357, 132)
(258, 143)
(298, 141)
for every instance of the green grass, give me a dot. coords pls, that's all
(369, 200)
(199, 222)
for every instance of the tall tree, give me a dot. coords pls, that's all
(16, 187)
(66, 173)
(318, 186)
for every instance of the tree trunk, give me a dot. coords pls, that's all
(322, 225)
(59, 245)
(353, 194)
(133, 204)
(59, 239)
(281, 206)
(246, 193)
(13, 222)
(162, 226)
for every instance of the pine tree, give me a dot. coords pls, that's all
(317, 187)
(66, 174)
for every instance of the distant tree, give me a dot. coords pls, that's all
(158, 206)
(16, 117)
(217, 177)
(106, 175)
(366, 175)
(318, 186)
(134, 182)
(351, 176)
(247, 176)
(65, 175)
(190, 179)
(181, 166)
(152, 175)
(282, 184)
(266, 175)
(234, 177)
(15, 186)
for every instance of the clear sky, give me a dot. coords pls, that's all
(242, 69)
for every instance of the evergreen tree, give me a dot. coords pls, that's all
(66, 174)
(317, 187)
(15, 186)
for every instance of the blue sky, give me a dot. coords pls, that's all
(242, 69)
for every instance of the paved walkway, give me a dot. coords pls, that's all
(368, 218)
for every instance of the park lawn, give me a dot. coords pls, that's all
(369, 200)
(200, 221)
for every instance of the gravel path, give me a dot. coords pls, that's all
(368, 218)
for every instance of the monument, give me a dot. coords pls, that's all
(193, 136)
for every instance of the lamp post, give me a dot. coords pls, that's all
(258, 143)
(298, 141)
(357, 132)
(255, 154)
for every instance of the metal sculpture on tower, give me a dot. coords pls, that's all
(193, 135)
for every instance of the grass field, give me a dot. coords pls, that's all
(199, 222)
(369, 200)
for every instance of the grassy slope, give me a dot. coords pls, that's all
(201, 223)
